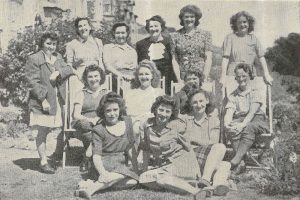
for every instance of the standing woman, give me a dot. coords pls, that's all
(120, 58)
(159, 49)
(193, 46)
(46, 72)
(242, 46)
(85, 50)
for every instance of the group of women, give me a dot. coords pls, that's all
(168, 142)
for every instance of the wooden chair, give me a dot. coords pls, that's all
(163, 83)
(262, 141)
(67, 115)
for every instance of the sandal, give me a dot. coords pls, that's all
(221, 190)
(85, 164)
(202, 183)
(83, 193)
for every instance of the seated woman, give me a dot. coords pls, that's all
(145, 88)
(193, 79)
(203, 131)
(245, 116)
(85, 105)
(174, 163)
(113, 136)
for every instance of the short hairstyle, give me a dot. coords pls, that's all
(209, 107)
(92, 68)
(167, 100)
(234, 18)
(191, 9)
(157, 18)
(78, 19)
(48, 35)
(119, 24)
(155, 73)
(247, 68)
(195, 72)
(109, 98)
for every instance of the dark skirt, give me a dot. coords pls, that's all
(202, 152)
(115, 162)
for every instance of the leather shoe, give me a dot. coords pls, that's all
(47, 169)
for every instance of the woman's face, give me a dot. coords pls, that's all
(163, 114)
(198, 103)
(49, 46)
(189, 19)
(112, 113)
(154, 28)
(93, 79)
(192, 79)
(121, 35)
(84, 28)
(242, 24)
(145, 76)
(242, 78)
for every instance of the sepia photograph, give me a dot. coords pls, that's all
(149, 99)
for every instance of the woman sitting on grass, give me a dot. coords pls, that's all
(174, 163)
(112, 137)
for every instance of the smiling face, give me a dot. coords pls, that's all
(49, 46)
(154, 28)
(163, 114)
(111, 113)
(145, 77)
(242, 78)
(189, 20)
(192, 79)
(198, 103)
(242, 25)
(93, 80)
(84, 29)
(121, 35)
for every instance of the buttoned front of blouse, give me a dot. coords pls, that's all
(190, 49)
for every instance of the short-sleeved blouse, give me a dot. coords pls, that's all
(121, 57)
(89, 101)
(241, 50)
(190, 49)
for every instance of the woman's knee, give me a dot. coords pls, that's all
(42, 133)
(219, 147)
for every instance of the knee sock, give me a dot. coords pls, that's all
(243, 148)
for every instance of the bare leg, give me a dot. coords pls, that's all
(125, 183)
(213, 160)
(41, 142)
(222, 174)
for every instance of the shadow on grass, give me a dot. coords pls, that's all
(28, 163)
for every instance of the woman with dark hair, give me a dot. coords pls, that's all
(46, 73)
(173, 162)
(245, 116)
(193, 46)
(203, 131)
(159, 49)
(145, 89)
(85, 50)
(242, 46)
(119, 57)
(113, 136)
(85, 105)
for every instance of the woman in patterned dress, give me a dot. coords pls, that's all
(113, 136)
(193, 46)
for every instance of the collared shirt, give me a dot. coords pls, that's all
(240, 102)
(120, 56)
(170, 138)
(190, 49)
(203, 132)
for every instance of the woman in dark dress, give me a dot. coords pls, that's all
(159, 49)
(112, 137)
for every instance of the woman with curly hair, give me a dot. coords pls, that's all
(158, 48)
(113, 137)
(85, 105)
(242, 46)
(193, 46)
(145, 88)
(173, 162)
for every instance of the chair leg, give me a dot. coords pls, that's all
(64, 151)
